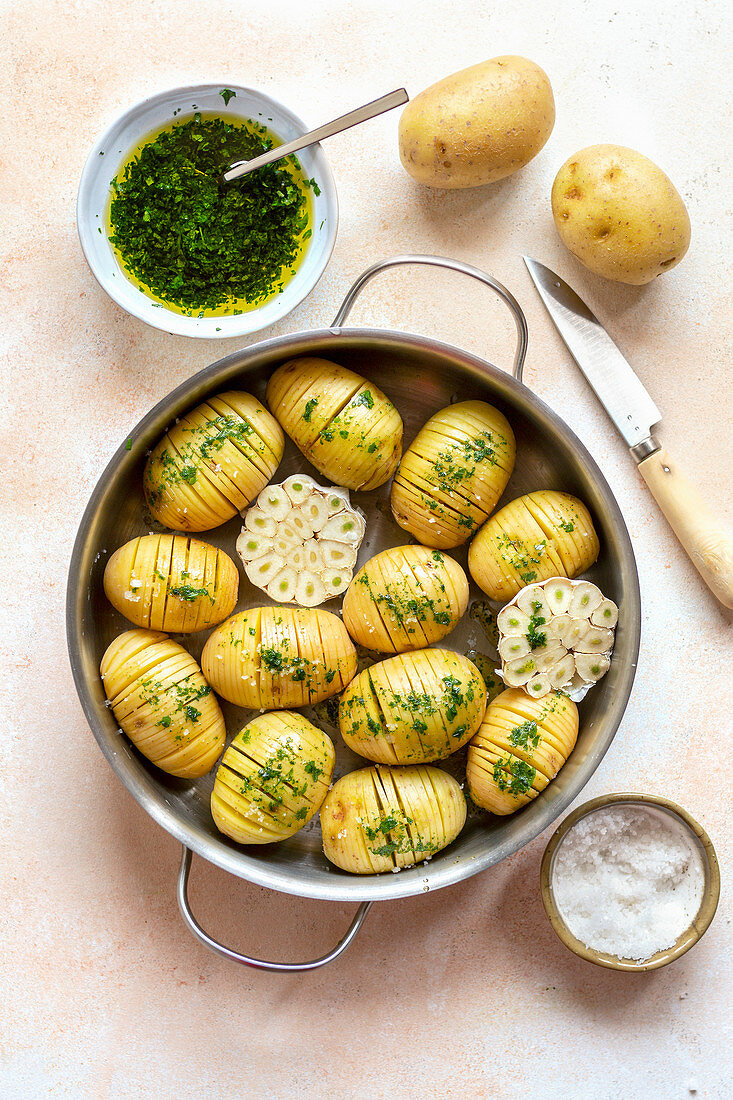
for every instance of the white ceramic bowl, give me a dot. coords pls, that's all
(112, 150)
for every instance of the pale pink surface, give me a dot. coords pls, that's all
(467, 992)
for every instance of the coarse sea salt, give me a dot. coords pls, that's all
(628, 880)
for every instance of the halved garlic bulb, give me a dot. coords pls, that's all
(300, 541)
(557, 635)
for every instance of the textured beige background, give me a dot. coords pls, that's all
(466, 992)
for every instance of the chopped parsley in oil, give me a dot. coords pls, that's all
(195, 242)
(312, 769)
(393, 829)
(537, 639)
(514, 776)
(525, 736)
(453, 697)
(223, 428)
(188, 593)
(309, 407)
(272, 659)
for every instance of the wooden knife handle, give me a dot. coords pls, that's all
(706, 540)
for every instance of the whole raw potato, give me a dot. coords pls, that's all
(619, 214)
(478, 125)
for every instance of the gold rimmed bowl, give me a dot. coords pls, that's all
(687, 939)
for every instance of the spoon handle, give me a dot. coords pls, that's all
(352, 118)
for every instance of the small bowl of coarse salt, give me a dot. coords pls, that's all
(630, 881)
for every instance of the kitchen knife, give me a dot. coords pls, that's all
(706, 540)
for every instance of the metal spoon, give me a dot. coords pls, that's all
(353, 118)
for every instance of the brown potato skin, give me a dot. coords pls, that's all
(478, 125)
(619, 214)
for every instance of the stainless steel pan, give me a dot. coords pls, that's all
(420, 375)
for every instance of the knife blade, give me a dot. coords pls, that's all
(707, 541)
(616, 386)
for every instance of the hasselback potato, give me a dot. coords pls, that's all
(344, 425)
(520, 747)
(212, 462)
(453, 473)
(541, 535)
(171, 582)
(279, 657)
(405, 598)
(413, 708)
(163, 703)
(376, 819)
(272, 779)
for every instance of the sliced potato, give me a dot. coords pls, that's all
(405, 598)
(378, 819)
(163, 703)
(453, 473)
(344, 425)
(413, 708)
(272, 779)
(212, 462)
(541, 535)
(520, 747)
(171, 582)
(279, 657)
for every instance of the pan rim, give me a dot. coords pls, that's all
(527, 824)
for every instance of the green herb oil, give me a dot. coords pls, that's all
(197, 245)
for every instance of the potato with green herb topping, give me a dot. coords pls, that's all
(272, 779)
(163, 703)
(171, 582)
(520, 748)
(413, 708)
(344, 425)
(380, 819)
(453, 473)
(405, 598)
(212, 462)
(270, 658)
(540, 535)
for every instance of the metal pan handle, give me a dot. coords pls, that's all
(235, 956)
(453, 265)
